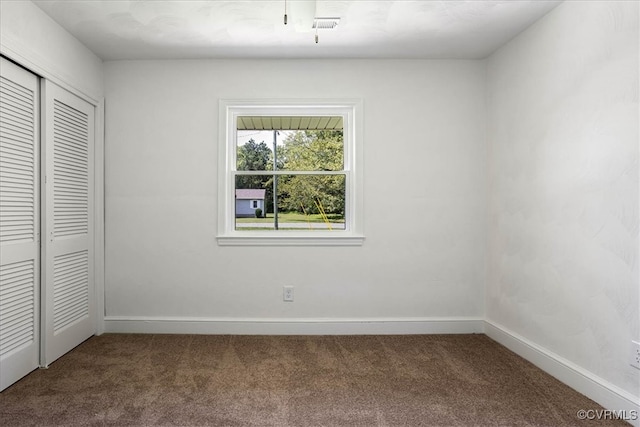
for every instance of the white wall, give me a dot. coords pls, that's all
(424, 148)
(563, 187)
(31, 38)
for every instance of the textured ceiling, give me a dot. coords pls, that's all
(155, 29)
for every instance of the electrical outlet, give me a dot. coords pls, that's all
(635, 354)
(287, 294)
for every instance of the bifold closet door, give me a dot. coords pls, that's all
(68, 315)
(19, 223)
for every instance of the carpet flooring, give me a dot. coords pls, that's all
(223, 380)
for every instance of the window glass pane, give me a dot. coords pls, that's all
(312, 150)
(302, 143)
(304, 202)
(253, 192)
(253, 154)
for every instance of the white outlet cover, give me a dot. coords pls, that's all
(287, 294)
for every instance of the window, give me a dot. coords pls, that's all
(290, 173)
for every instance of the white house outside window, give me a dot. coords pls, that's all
(290, 173)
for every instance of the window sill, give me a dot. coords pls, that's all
(290, 240)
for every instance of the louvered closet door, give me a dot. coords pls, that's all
(68, 285)
(19, 223)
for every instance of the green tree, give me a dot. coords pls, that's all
(316, 150)
(253, 156)
(313, 150)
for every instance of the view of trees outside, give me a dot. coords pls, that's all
(318, 198)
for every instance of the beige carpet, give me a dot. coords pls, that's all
(201, 380)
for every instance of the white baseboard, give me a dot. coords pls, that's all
(306, 326)
(581, 380)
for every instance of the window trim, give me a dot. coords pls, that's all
(351, 110)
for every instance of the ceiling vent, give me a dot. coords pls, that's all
(325, 23)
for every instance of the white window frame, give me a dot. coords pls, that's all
(351, 111)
